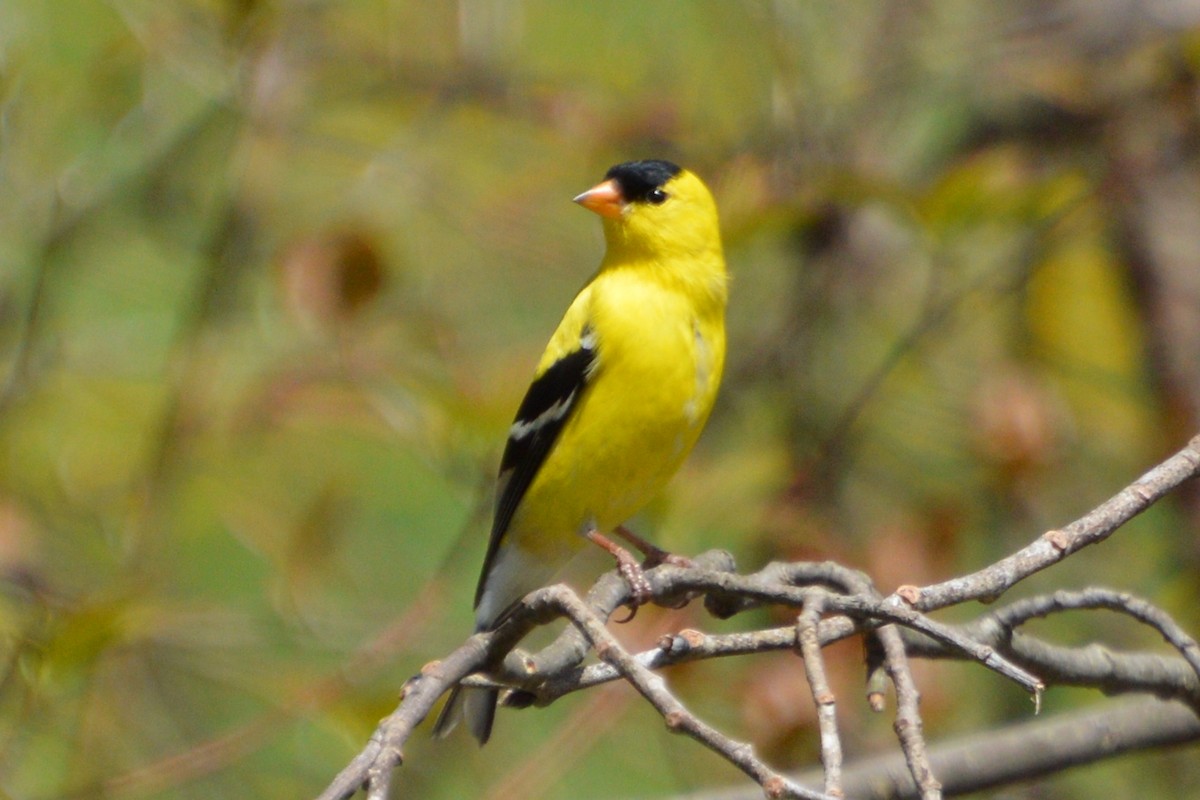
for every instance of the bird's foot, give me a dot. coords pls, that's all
(629, 568)
(655, 556)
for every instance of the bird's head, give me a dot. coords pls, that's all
(655, 210)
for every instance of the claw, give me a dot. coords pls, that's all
(632, 613)
(656, 556)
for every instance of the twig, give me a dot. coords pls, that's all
(1119, 602)
(876, 679)
(1050, 548)
(761, 588)
(1098, 667)
(1094, 665)
(898, 621)
(908, 725)
(678, 718)
(809, 645)
(1013, 754)
(373, 766)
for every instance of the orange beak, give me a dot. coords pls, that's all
(604, 198)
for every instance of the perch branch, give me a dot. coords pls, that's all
(852, 606)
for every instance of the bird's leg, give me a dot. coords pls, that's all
(654, 555)
(631, 571)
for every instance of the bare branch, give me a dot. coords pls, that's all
(908, 725)
(896, 625)
(1053, 546)
(809, 645)
(1120, 602)
(677, 717)
(1016, 753)
(765, 587)
(1093, 665)
(372, 767)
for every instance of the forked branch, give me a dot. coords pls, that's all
(832, 603)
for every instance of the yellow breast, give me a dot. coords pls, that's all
(658, 368)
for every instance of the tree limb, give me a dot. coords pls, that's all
(1053, 546)
(898, 623)
(1015, 753)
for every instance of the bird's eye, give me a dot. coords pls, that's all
(657, 197)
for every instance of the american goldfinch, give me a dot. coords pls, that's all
(617, 401)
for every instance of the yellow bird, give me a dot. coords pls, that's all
(618, 400)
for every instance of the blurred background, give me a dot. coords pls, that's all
(274, 277)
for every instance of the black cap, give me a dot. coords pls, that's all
(638, 179)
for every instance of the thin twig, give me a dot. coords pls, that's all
(762, 588)
(679, 720)
(876, 672)
(1016, 753)
(809, 645)
(813, 588)
(1050, 548)
(909, 727)
(1119, 602)
(1093, 665)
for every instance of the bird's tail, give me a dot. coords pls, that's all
(509, 577)
(476, 706)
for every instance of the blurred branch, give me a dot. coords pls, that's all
(213, 755)
(1018, 752)
(936, 314)
(28, 324)
(68, 219)
(853, 606)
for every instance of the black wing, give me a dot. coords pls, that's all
(547, 406)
